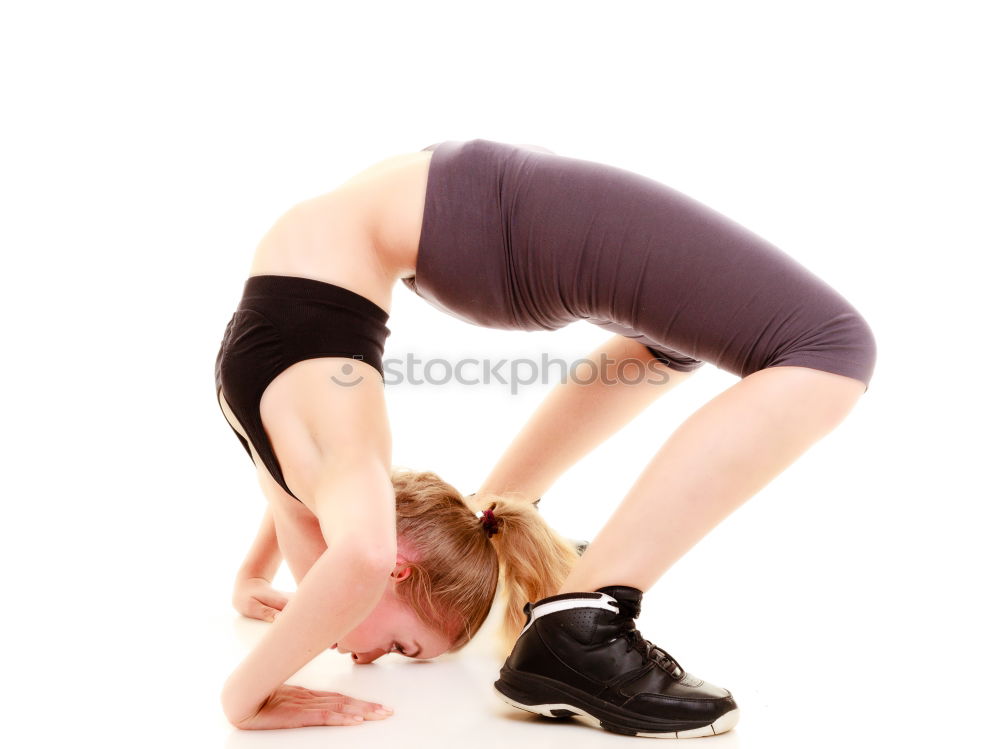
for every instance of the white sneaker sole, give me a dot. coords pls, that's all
(721, 724)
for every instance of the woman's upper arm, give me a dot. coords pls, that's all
(356, 504)
(328, 424)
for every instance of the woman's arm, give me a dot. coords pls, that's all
(336, 595)
(253, 594)
(334, 446)
(575, 418)
(264, 556)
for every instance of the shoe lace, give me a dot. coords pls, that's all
(658, 655)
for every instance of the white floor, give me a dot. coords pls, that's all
(153, 681)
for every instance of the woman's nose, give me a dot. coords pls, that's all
(368, 657)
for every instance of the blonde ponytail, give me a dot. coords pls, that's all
(534, 560)
(460, 564)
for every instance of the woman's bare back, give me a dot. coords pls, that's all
(363, 235)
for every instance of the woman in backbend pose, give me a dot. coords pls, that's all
(514, 237)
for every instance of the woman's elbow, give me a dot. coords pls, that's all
(356, 510)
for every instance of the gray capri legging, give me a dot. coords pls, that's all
(518, 237)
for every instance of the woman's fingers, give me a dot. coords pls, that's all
(271, 598)
(269, 614)
(291, 706)
(348, 700)
(264, 613)
(258, 610)
(342, 713)
(370, 710)
(326, 717)
(352, 705)
(255, 598)
(269, 606)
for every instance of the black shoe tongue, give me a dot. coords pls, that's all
(629, 599)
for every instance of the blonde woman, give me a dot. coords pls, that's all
(521, 238)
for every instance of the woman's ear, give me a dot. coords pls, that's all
(401, 572)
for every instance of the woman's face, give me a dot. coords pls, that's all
(392, 626)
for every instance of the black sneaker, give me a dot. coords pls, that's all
(580, 654)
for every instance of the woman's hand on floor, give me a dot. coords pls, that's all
(254, 597)
(290, 706)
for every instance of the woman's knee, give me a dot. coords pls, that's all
(844, 346)
(867, 349)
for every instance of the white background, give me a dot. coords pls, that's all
(145, 149)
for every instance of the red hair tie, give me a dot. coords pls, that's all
(489, 521)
